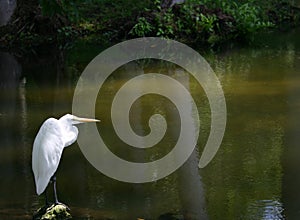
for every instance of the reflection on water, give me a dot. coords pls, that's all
(255, 174)
(265, 210)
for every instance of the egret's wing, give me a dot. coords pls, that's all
(47, 150)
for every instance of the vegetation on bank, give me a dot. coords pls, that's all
(208, 22)
(212, 21)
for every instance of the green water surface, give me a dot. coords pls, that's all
(255, 174)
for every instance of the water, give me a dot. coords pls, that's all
(255, 174)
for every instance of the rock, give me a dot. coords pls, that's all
(53, 212)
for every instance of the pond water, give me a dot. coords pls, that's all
(254, 175)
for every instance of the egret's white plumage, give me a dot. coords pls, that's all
(54, 135)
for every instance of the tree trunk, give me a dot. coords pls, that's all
(22, 16)
(6, 10)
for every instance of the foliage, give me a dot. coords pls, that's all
(143, 27)
(66, 32)
(204, 21)
(211, 21)
(66, 8)
(248, 19)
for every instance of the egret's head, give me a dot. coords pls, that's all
(72, 119)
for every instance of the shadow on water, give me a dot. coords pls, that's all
(255, 174)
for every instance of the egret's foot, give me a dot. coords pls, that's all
(59, 203)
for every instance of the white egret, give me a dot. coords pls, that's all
(54, 135)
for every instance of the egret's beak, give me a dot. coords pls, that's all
(84, 120)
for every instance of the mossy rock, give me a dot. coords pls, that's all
(53, 212)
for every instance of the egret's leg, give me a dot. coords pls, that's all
(53, 178)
